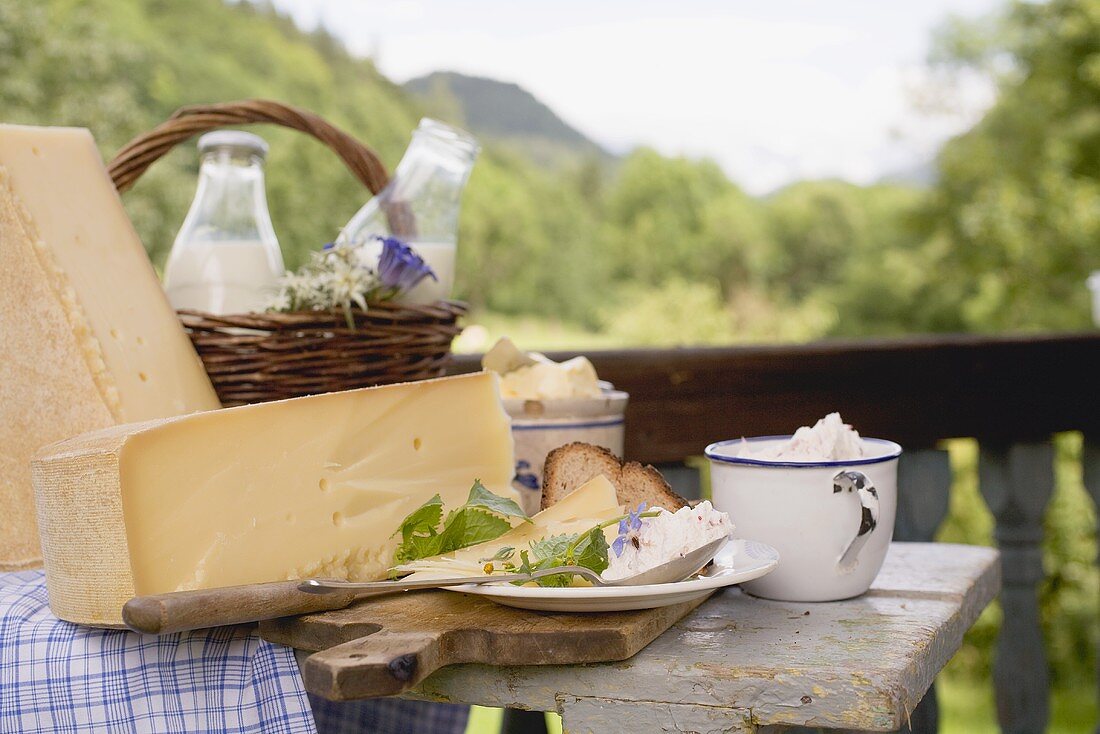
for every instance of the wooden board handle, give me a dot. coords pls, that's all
(187, 610)
(382, 664)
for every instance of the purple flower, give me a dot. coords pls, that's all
(399, 267)
(628, 530)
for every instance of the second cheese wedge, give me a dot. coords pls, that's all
(313, 486)
(592, 503)
(87, 336)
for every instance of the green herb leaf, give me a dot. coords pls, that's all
(418, 546)
(481, 497)
(422, 520)
(482, 518)
(504, 554)
(588, 549)
(591, 551)
(529, 566)
(468, 526)
(556, 580)
(553, 547)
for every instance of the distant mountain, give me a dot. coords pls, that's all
(505, 113)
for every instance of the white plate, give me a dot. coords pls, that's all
(740, 560)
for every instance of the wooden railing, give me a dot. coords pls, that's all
(1010, 393)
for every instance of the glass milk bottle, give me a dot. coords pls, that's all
(226, 259)
(420, 205)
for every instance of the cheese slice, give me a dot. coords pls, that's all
(87, 337)
(313, 486)
(592, 503)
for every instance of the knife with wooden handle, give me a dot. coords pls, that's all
(178, 611)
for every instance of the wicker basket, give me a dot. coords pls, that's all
(257, 357)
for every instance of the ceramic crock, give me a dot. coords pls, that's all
(540, 426)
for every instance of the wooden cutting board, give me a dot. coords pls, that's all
(387, 645)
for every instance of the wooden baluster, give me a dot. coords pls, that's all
(1090, 459)
(1017, 482)
(924, 488)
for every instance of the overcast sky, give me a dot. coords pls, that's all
(774, 91)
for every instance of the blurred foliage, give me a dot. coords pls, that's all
(1004, 240)
(120, 68)
(1015, 219)
(656, 250)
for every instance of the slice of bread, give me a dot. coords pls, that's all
(568, 467)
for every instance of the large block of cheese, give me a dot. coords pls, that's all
(313, 486)
(87, 337)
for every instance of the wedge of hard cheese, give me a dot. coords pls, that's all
(314, 486)
(87, 337)
(589, 505)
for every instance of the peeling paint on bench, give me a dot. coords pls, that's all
(739, 664)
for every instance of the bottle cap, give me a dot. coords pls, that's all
(235, 139)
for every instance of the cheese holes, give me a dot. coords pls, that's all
(323, 484)
(416, 443)
(114, 333)
(338, 519)
(141, 341)
(143, 377)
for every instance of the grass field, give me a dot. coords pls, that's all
(968, 708)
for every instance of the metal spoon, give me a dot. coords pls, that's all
(677, 569)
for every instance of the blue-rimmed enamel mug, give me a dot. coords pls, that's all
(831, 521)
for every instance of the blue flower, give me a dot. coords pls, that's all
(628, 530)
(399, 267)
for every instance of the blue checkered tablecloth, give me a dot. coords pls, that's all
(61, 677)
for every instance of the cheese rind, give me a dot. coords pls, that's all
(314, 486)
(87, 337)
(82, 530)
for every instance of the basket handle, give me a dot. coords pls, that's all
(131, 161)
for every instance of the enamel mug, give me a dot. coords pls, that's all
(831, 521)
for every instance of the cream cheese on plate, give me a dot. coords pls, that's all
(660, 539)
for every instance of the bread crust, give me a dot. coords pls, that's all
(568, 467)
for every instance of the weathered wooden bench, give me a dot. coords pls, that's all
(1009, 392)
(744, 665)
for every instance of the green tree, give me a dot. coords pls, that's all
(1018, 199)
(816, 224)
(656, 217)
